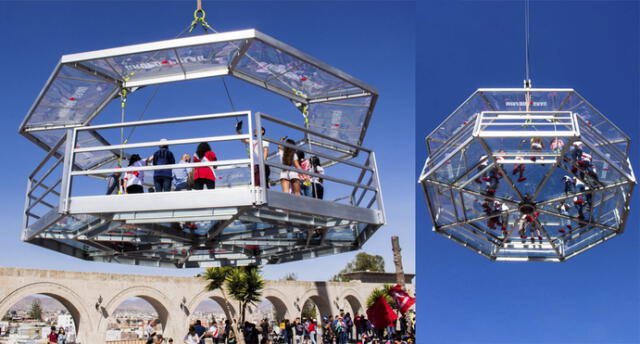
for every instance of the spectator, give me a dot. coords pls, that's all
(191, 337)
(181, 174)
(52, 338)
(114, 184)
(312, 331)
(162, 178)
(200, 331)
(264, 329)
(134, 180)
(289, 180)
(62, 336)
(256, 155)
(305, 164)
(299, 331)
(214, 332)
(204, 176)
(317, 187)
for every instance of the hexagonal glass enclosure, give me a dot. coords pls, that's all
(527, 174)
(241, 220)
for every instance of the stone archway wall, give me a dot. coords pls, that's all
(158, 300)
(355, 302)
(280, 303)
(92, 297)
(66, 296)
(324, 306)
(228, 308)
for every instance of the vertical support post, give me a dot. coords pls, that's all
(372, 157)
(65, 187)
(262, 170)
(27, 206)
(251, 149)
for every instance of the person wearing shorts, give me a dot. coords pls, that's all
(289, 180)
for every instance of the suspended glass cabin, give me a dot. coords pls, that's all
(528, 174)
(241, 221)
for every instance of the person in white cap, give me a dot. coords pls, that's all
(162, 178)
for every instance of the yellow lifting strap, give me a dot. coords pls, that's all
(305, 107)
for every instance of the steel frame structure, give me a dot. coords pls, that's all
(478, 152)
(245, 223)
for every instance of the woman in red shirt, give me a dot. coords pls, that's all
(52, 338)
(204, 175)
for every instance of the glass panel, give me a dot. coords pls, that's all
(70, 99)
(202, 57)
(342, 120)
(281, 70)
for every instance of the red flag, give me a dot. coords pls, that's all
(402, 299)
(380, 314)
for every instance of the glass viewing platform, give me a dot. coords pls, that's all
(528, 174)
(241, 221)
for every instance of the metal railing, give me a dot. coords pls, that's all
(71, 150)
(41, 178)
(526, 124)
(364, 187)
(359, 188)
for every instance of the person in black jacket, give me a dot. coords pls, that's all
(162, 178)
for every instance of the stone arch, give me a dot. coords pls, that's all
(324, 305)
(277, 298)
(352, 298)
(67, 297)
(156, 298)
(216, 296)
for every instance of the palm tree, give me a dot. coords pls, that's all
(217, 278)
(243, 284)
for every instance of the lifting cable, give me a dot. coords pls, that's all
(199, 16)
(526, 41)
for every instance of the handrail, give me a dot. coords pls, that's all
(322, 155)
(166, 120)
(323, 176)
(159, 143)
(163, 167)
(293, 126)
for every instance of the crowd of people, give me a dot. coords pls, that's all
(199, 178)
(583, 172)
(338, 329)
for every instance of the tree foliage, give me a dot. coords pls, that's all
(384, 291)
(36, 310)
(309, 310)
(243, 284)
(362, 262)
(290, 277)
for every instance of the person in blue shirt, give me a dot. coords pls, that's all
(181, 175)
(162, 178)
(114, 183)
(200, 331)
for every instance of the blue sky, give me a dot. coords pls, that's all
(586, 45)
(371, 41)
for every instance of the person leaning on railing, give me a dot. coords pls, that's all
(181, 174)
(162, 178)
(204, 176)
(133, 180)
(256, 157)
(114, 183)
(317, 187)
